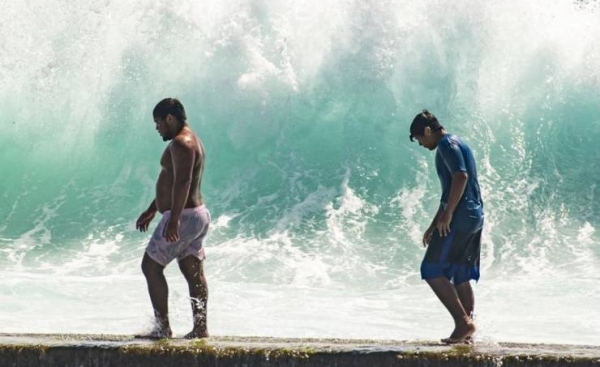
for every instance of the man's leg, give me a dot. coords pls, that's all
(159, 295)
(466, 297)
(192, 269)
(446, 293)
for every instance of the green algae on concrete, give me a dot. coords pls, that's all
(204, 348)
(470, 355)
(119, 350)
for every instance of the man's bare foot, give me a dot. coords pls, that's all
(468, 340)
(461, 333)
(196, 334)
(156, 334)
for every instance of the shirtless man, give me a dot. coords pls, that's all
(185, 220)
(454, 236)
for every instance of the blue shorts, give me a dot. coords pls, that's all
(455, 256)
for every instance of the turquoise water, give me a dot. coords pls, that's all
(319, 200)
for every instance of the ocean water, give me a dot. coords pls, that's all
(318, 198)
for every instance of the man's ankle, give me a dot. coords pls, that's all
(463, 320)
(162, 323)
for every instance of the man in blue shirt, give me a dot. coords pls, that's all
(454, 236)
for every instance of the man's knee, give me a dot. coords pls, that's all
(462, 284)
(150, 267)
(191, 268)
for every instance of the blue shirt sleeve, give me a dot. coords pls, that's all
(452, 156)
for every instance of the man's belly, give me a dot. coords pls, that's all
(164, 191)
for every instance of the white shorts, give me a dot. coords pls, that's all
(193, 227)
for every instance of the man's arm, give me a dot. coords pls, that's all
(429, 231)
(457, 189)
(152, 208)
(437, 216)
(182, 156)
(146, 217)
(455, 162)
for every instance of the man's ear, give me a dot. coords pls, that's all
(427, 131)
(169, 119)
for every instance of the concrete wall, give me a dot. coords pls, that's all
(204, 354)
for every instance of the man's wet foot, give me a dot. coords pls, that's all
(156, 334)
(461, 334)
(196, 334)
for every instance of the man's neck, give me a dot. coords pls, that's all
(182, 128)
(439, 135)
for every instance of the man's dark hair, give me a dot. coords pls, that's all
(421, 121)
(170, 106)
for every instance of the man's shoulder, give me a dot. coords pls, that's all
(446, 142)
(451, 141)
(186, 140)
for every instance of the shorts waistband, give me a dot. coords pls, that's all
(196, 209)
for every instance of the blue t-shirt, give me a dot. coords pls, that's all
(452, 156)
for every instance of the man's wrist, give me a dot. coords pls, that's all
(448, 211)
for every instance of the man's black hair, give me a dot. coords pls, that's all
(421, 121)
(170, 106)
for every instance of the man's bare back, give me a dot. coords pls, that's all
(184, 150)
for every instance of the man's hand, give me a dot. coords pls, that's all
(427, 236)
(443, 223)
(144, 220)
(172, 230)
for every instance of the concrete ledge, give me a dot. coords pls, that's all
(24, 350)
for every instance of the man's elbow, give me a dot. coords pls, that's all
(463, 176)
(183, 182)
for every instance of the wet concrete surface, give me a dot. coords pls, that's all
(124, 350)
